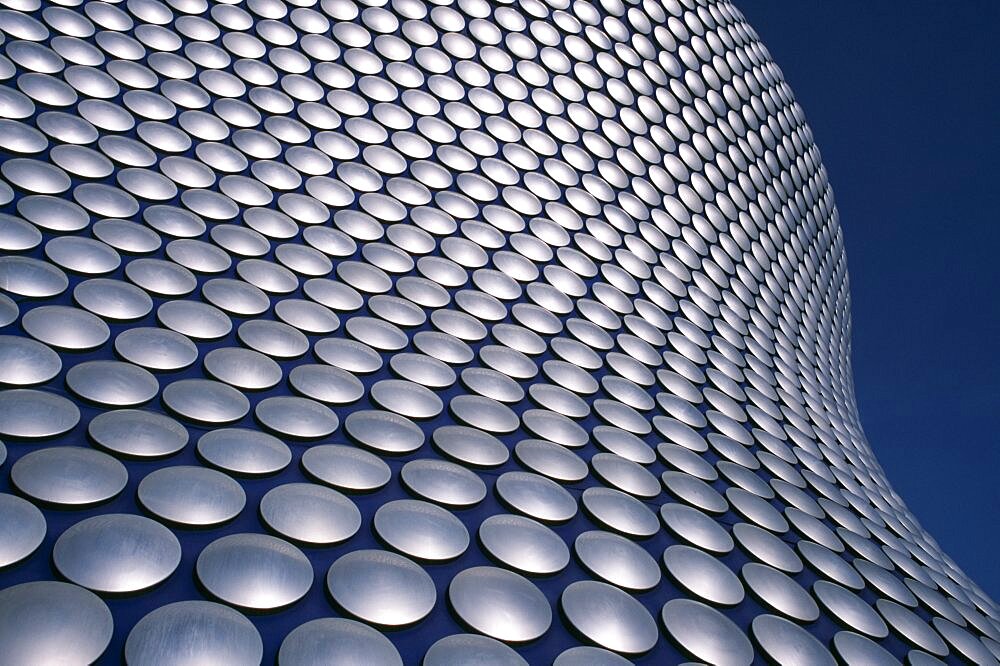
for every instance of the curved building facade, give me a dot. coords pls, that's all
(434, 333)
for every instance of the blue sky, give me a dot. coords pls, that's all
(902, 100)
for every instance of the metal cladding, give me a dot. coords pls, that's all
(434, 332)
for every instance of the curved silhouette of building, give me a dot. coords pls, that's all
(434, 332)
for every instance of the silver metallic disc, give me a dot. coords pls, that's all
(706, 634)
(296, 417)
(24, 276)
(536, 496)
(243, 368)
(336, 640)
(784, 642)
(22, 529)
(116, 552)
(470, 649)
(911, 627)
(524, 544)
(346, 467)
(406, 398)
(609, 617)
(31, 413)
(443, 482)
(139, 433)
(849, 609)
(45, 622)
(617, 560)
(767, 548)
(24, 361)
(500, 604)
(471, 446)
(421, 530)
(69, 475)
(191, 495)
(963, 642)
(186, 632)
(244, 451)
(703, 576)
(381, 587)
(326, 384)
(696, 528)
(65, 327)
(205, 401)
(919, 658)
(779, 592)
(255, 571)
(384, 431)
(156, 348)
(310, 513)
(620, 512)
(585, 655)
(112, 383)
(856, 650)
(551, 460)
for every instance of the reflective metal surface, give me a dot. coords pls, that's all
(193, 632)
(471, 649)
(22, 528)
(526, 324)
(706, 633)
(500, 604)
(310, 513)
(69, 476)
(116, 552)
(380, 587)
(336, 640)
(523, 544)
(190, 495)
(421, 530)
(45, 622)
(254, 571)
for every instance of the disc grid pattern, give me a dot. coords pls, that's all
(434, 332)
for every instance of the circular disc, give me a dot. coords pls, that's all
(31, 413)
(617, 560)
(706, 634)
(703, 576)
(524, 544)
(24, 361)
(206, 401)
(471, 649)
(244, 451)
(785, 642)
(191, 495)
(609, 617)
(254, 571)
(117, 553)
(500, 604)
(336, 640)
(44, 621)
(187, 632)
(310, 513)
(138, 433)
(421, 530)
(346, 467)
(69, 475)
(380, 587)
(22, 529)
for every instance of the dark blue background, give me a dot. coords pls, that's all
(902, 99)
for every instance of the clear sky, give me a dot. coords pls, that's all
(903, 102)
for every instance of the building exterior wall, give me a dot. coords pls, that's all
(416, 332)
